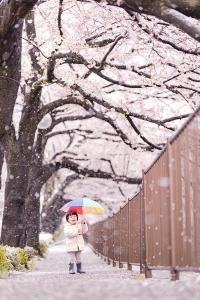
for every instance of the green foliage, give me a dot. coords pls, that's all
(30, 252)
(4, 262)
(12, 258)
(21, 260)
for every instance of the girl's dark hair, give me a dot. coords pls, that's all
(71, 213)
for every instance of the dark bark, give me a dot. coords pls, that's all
(10, 74)
(1, 157)
(21, 205)
(31, 220)
(11, 11)
(31, 217)
(12, 14)
(15, 191)
(19, 153)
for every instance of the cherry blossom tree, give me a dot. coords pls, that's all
(119, 82)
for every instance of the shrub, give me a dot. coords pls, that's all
(12, 258)
(4, 262)
(20, 259)
(30, 252)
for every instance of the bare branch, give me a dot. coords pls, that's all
(181, 21)
(118, 109)
(109, 51)
(165, 10)
(60, 11)
(68, 100)
(139, 133)
(159, 38)
(176, 118)
(71, 165)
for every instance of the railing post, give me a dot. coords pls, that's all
(141, 212)
(129, 266)
(114, 262)
(145, 269)
(120, 226)
(108, 239)
(174, 272)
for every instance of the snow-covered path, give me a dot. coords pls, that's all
(50, 280)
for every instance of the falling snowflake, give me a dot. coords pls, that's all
(45, 122)
(163, 182)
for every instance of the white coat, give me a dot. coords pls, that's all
(74, 241)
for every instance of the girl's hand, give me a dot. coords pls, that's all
(80, 231)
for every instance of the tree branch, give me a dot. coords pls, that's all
(11, 11)
(68, 100)
(70, 165)
(174, 12)
(182, 22)
(118, 109)
(60, 11)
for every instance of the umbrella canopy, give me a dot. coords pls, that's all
(83, 206)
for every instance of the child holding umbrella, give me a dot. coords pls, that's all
(74, 231)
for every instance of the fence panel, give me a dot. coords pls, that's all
(117, 236)
(161, 224)
(124, 234)
(105, 237)
(100, 237)
(185, 191)
(157, 213)
(111, 238)
(134, 230)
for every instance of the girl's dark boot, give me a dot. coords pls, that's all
(79, 268)
(71, 268)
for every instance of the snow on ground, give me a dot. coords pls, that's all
(50, 280)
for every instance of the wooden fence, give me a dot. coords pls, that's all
(159, 227)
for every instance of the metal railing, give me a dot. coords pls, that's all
(159, 227)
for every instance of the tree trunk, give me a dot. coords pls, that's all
(19, 154)
(11, 21)
(12, 225)
(15, 192)
(31, 227)
(10, 74)
(1, 158)
(32, 217)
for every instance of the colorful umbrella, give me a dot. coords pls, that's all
(83, 206)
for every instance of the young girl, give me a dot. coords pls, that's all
(74, 239)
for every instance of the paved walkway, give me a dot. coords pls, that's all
(49, 280)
